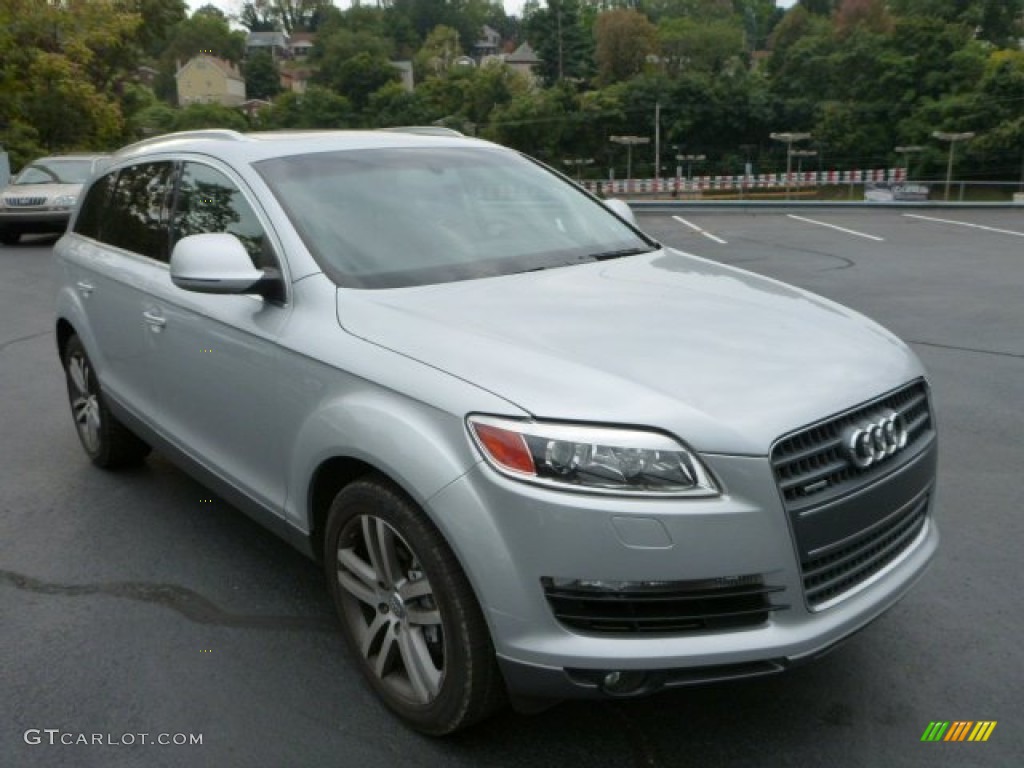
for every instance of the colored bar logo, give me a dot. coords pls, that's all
(959, 730)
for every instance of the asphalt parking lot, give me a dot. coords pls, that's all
(139, 603)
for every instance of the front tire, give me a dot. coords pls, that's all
(107, 442)
(408, 612)
(9, 236)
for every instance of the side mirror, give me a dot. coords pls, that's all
(219, 263)
(620, 209)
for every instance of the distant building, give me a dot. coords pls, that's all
(146, 75)
(489, 43)
(300, 44)
(405, 71)
(209, 80)
(296, 80)
(253, 107)
(275, 43)
(523, 60)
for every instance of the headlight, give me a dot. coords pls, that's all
(64, 201)
(599, 459)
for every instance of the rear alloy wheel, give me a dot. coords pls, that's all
(106, 441)
(408, 612)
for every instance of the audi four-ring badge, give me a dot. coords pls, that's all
(875, 440)
(538, 454)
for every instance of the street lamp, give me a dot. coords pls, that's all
(788, 137)
(579, 162)
(952, 138)
(906, 152)
(630, 142)
(800, 154)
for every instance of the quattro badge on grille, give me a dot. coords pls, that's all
(868, 443)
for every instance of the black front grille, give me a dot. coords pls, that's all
(811, 464)
(846, 564)
(661, 607)
(24, 202)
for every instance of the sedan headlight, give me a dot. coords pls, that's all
(587, 458)
(64, 201)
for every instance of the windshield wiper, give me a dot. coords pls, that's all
(605, 255)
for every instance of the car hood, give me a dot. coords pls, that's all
(726, 360)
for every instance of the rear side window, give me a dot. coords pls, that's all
(137, 215)
(94, 207)
(208, 202)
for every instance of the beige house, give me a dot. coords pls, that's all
(208, 80)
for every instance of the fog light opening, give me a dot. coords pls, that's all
(619, 683)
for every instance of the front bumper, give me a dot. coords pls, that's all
(510, 535)
(35, 220)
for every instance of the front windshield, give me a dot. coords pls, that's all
(386, 218)
(55, 172)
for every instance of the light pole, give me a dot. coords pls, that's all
(579, 162)
(630, 142)
(952, 138)
(690, 160)
(800, 154)
(788, 137)
(906, 152)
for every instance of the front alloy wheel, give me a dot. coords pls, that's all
(389, 604)
(407, 610)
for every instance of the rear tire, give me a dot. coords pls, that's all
(408, 612)
(107, 442)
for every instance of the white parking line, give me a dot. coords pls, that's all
(833, 226)
(704, 232)
(965, 224)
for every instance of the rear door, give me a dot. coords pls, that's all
(120, 253)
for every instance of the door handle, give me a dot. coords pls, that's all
(155, 320)
(84, 288)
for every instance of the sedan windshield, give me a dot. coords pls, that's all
(55, 172)
(386, 218)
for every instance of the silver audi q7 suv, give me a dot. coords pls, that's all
(540, 455)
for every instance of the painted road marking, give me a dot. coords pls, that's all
(704, 232)
(833, 226)
(965, 224)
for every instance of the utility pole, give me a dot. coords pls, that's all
(952, 138)
(657, 143)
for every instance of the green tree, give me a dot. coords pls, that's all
(158, 19)
(358, 77)
(197, 116)
(438, 52)
(318, 107)
(563, 44)
(262, 80)
(623, 41)
(62, 68)
(703, 46)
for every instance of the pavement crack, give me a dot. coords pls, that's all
(995, 352)
(189, 604)
(844, 262)
(5, 344)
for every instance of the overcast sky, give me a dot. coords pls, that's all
(511, 6)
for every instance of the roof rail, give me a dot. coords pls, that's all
(424, 130)
(224, 134)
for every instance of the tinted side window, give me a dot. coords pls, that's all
(94, 207)
(209, 202)
(137, 215)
